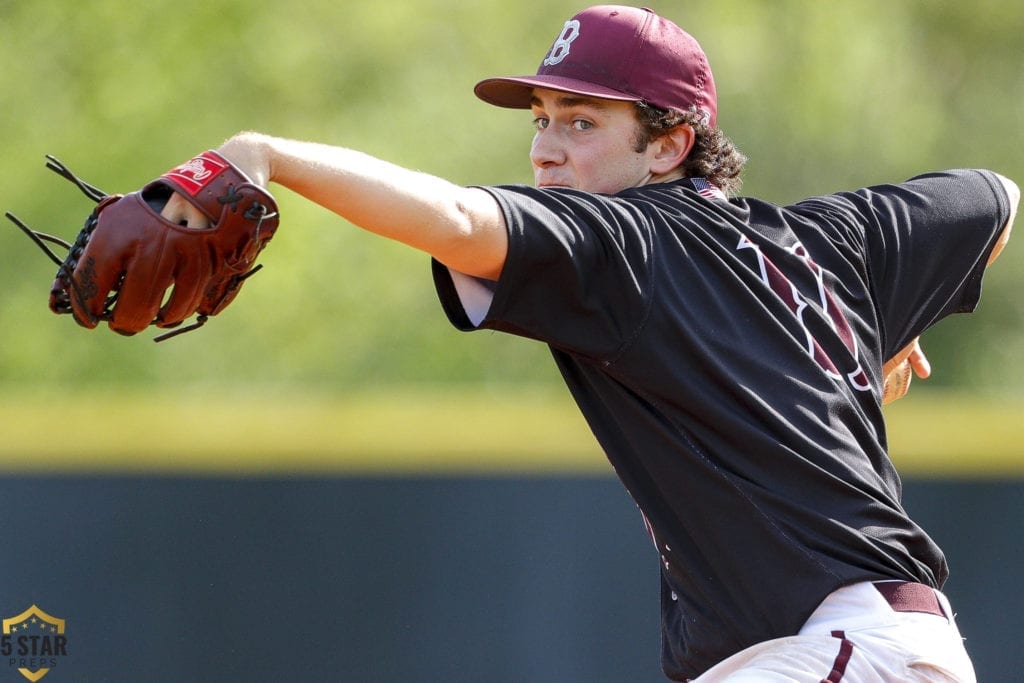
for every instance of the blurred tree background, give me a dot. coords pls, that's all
(820, 96)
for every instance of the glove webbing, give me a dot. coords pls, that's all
(66, 266)
(40, 238)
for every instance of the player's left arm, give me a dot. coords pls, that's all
(910, 360)
(462, 227)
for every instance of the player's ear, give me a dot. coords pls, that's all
(671, 148)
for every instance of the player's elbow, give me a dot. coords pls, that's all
(1013, 195)
(478, 239)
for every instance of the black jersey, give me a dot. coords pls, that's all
(727, 355)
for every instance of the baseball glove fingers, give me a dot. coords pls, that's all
(142, 291)
(100, 283)
(185, 298)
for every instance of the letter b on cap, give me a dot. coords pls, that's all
(560, 50)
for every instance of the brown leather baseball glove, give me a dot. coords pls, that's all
(132, 268)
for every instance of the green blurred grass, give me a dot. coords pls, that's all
(412, 431)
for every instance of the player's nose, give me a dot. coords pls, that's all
(546, 150)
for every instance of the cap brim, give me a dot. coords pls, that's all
(517, 92)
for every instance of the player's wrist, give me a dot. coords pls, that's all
(250, 153)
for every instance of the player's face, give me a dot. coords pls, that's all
(586, 143)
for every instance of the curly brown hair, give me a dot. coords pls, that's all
(713, 156)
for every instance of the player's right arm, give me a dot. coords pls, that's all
(910, 360)
(461, 227)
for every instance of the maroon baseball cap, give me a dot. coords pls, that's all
(617, 53)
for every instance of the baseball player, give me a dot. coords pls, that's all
(731, 356)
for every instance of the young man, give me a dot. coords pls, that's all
(728, 354)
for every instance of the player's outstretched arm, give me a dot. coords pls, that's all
(461, 227)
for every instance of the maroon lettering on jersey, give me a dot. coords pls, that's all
(798, 303)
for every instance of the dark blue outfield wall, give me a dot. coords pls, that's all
(395, 579)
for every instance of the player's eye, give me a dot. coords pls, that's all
(540, 122)
(582, 124)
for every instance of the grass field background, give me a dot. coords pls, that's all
(405, 431)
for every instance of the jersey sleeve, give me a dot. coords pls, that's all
(576, 275)
(924, 245)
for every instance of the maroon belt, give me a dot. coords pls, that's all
(905, 596)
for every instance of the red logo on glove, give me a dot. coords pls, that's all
(195, 174)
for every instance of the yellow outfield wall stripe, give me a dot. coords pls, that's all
(957, 435)
(414, 431)
(263, 432)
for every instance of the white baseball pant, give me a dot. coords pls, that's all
(864, 633)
